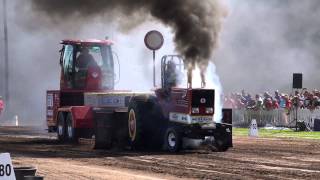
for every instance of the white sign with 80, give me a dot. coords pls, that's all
(6, 168)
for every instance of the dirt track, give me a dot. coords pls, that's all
(249, 159)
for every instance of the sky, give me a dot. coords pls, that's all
(264, 42)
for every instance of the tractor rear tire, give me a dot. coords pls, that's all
(173, 140)
(72, 135)
(102, 140)
(136, 115)
(61, 127)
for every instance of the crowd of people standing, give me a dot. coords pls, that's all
(1, 106)
(304, 100)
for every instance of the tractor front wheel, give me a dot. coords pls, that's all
(173, 140)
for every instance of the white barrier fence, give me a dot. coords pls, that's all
(278, 117)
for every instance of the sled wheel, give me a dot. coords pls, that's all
(61, 129)
(72, 135)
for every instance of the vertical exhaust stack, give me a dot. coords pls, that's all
(190, 70)
(196, 24)
(203, 79)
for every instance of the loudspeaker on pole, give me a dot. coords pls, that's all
(297, 81)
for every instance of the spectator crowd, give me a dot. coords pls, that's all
(1, 105)
(266, 101)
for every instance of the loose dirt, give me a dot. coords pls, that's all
(250, 158)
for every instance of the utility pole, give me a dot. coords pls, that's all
(6, 54)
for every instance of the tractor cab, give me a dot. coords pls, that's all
(179, 98)
(175, 73)
(87, 65)
(172, 70)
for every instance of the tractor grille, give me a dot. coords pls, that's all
(202, 98)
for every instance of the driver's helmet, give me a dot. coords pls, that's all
(171, 66)
(85, 50)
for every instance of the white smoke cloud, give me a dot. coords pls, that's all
(213, 82)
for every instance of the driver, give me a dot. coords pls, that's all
(171, 75)
(85, 59)
(83, 62)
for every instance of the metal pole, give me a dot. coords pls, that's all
(6, 54)
(296, 118)
(154, 69)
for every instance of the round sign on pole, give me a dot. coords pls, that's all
(153, 40)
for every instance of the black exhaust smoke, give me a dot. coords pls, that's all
(196, 23)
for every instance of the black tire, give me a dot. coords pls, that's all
(103, 132)
(220, 144)
(173, 140)
(102, 140)
(51, 129)
(61, 128)
(71, 132)
(136, 115)
(156, 124)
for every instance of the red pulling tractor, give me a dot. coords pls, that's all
(87, 105)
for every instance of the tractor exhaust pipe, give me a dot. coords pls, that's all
(190, 75)
(203, 79)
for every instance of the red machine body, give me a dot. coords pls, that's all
(181, 102)
(75, 82)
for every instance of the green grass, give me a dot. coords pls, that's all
(286, 133)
